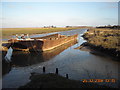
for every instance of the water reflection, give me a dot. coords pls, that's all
(6, 67)
(78, 64)
(22, 59)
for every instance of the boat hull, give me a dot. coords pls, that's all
(42, 44)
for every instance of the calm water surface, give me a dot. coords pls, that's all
(78, 64)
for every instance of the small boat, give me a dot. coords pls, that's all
(24, 43)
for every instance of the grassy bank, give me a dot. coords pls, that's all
(8, 32)
(56, 81)
(105, 40)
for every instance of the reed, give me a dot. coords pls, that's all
(107, 38)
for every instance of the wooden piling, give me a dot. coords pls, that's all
(67, 76)
(56, 71)
(43, 69)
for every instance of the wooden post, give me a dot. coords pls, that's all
(56, 71)
(67, 76)
(43, 69)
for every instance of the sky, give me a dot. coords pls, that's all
(60, 14)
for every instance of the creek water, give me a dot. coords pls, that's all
(74, 62)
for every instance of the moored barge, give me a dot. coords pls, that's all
(40, 43)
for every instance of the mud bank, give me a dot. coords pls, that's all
(103, 40)
(52, 80)
(99, 50)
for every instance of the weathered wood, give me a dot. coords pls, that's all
(46, 43)
(67, 76)
(44, 70)
(56, 71)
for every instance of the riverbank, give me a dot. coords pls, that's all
(92, 49)
(106, 41)
(56, 81)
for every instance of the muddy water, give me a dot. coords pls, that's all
(74, 62)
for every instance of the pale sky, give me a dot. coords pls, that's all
(39, 14)
(60, 0)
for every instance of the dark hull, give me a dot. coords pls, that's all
(43, 43)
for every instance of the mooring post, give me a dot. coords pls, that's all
(43, 69)
(67, 76)
(56, 70)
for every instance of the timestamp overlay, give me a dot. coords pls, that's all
(99, 80)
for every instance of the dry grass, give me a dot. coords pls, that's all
(107, 38)
(7, 32)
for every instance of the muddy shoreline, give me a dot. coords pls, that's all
(98, 50)
(52, 80)
(103, 41)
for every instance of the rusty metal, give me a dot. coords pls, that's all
(41, 43)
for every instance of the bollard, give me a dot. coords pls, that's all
(67, 76)
(56, 70)
(43, 69)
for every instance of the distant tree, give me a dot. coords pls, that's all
(52, 26)
(67, 26)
